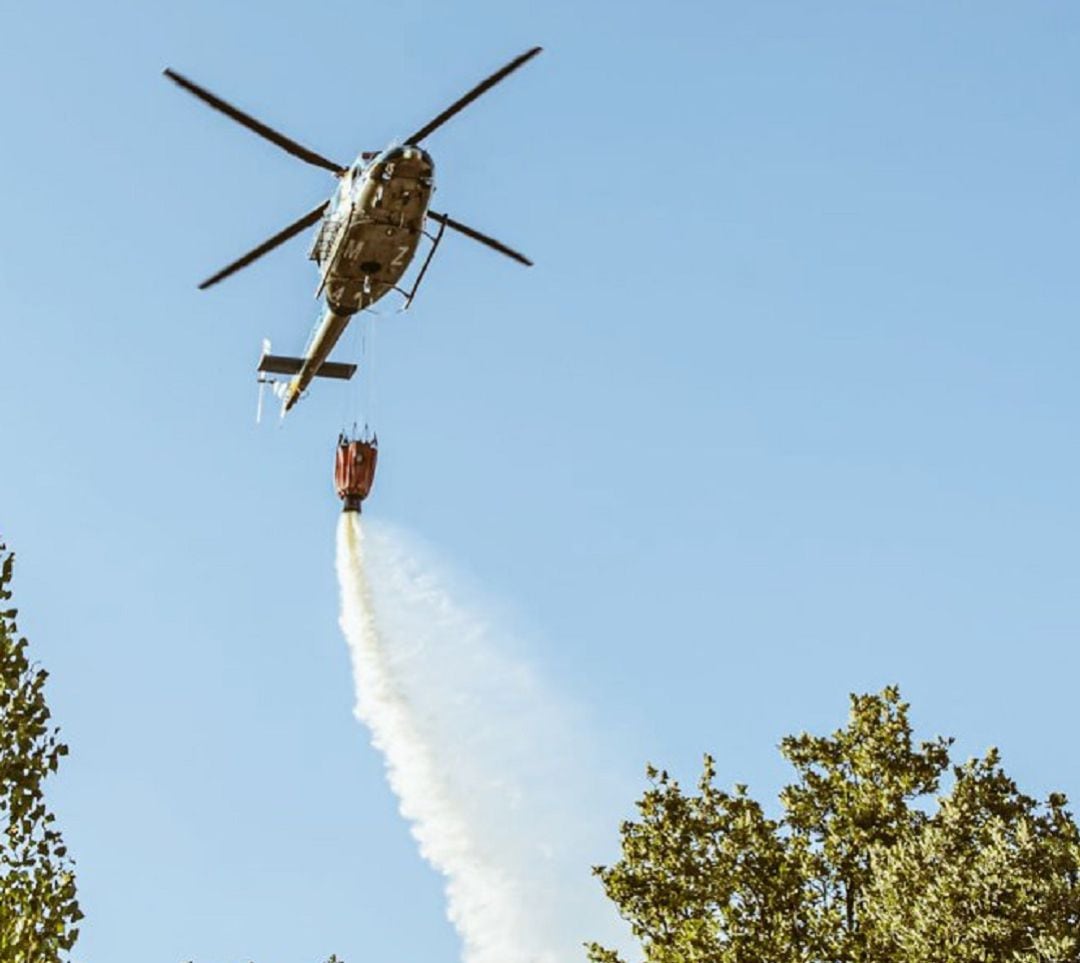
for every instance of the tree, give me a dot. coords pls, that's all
(866, 861)
(39, 908)
(38, 905)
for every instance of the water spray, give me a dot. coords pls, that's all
(488, 767)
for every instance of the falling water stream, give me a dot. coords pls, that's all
(490, 770)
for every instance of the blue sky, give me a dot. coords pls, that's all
(785, 410)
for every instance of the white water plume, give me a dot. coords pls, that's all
(489, 769)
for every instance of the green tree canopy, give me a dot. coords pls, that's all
(38, 906)
(869, 860)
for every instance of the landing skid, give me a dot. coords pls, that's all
(410, 294)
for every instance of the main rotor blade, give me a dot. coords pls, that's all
(285, 143)
(479, 89)
(280, 238)
(482, 238)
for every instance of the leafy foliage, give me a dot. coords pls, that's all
(38, 906)
(861, 866)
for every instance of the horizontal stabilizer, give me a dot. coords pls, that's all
(279, 364)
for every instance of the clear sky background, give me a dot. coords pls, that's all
(786, 409)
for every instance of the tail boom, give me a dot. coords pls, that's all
(314, 364)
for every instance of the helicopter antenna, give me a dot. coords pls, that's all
(481, 88)
(275, 137)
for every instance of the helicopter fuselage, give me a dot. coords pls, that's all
(372, 228)
(365, 244)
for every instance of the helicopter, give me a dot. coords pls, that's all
(369, 233)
